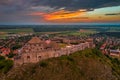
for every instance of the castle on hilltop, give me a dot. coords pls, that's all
(36, 49)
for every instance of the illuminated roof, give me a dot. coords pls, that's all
(34, 40)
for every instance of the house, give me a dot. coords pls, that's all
(115, 53)
(5, 51)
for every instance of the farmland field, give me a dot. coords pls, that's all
(5, 32)
(78, 33)
(19, 30)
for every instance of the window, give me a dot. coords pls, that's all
(28, 57)
(39, 57)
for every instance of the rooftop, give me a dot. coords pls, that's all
(34, 40)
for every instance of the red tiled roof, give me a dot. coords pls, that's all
(6, 51)
(15, 51)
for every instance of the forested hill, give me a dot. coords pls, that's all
(89, 64)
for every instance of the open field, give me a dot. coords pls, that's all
(2, 36)
(5, 32)
(19, 30)
(74, 30)
(58, 28)
(77, 33)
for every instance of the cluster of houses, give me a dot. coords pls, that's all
(7, 51)
(6, 45)
(13, 36)
(4, 51)
(111, 47)
(115, 52)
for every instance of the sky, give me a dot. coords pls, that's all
(59, 11)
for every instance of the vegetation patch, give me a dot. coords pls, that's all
(5, 65)
(18, 30)
(89, 64)
(43, 64)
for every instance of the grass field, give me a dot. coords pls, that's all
(78, 33)
(2, 36)
(5, 32)
(19, 30)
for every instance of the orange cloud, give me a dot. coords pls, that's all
(82, 15)
(63, 14)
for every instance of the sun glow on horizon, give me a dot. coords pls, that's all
(81, 15)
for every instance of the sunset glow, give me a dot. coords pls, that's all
(59, 11)
(81, 15)
(62, 14)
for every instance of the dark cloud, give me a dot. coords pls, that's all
(56, 4)
(11, 6)
(17, 9)
(77, 4)
(110, 14)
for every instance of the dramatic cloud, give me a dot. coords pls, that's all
(51, 10)
(56, 4)
(77, 4)
(63, 15)
(42, 8)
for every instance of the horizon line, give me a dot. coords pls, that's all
(115, 23)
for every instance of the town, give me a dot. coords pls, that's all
(32, 48)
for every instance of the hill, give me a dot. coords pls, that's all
(89, 64)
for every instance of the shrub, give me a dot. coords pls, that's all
(116, 61)
(70, 59)
(11, 55)
(43, 64)
(5, 65)
(16, 47)
(2, 58)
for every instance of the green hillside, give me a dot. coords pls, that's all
(89, 64)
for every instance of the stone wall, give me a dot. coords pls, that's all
(36, 57)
